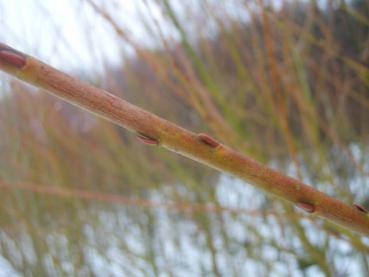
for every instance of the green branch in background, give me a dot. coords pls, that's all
(154, 130)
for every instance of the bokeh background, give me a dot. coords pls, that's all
(285, 82)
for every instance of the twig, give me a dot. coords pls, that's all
(185, 207)
(154, 130)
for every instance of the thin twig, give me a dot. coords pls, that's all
(185, 207)
(154, 130)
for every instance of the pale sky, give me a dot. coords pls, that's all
(69, 35)
(52, 31)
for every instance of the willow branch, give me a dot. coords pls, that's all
(154, 130)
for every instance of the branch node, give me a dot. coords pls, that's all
(11, 57)
(206, 139)
(307, 207)
(147, 139)
(361, 208)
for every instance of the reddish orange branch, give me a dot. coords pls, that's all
(154, 130)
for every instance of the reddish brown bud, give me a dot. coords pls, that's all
(6, 47)
(3, 46)
(147, 140)
(208, 140)
(361, 208)
(307, 207)
(11, 57)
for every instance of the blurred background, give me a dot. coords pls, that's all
(285, 82)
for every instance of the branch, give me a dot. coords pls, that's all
(185, 207)
(154, 130)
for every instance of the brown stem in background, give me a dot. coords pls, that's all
(202, 148)
(185, 207)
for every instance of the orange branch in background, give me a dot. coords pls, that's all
(154, 130)
(127, 201)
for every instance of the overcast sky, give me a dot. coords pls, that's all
(52, 31)
(62, 32)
